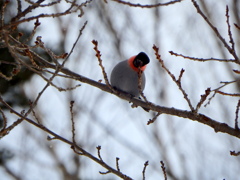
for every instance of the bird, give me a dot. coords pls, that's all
(125, 75)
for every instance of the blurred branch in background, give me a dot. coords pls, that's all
(46, 50)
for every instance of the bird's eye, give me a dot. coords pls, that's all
(138, 63)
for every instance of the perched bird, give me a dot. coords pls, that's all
(125, 75)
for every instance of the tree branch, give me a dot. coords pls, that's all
(230, 50)
(147, 5)
(201, 118)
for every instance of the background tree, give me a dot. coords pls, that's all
(51, 43)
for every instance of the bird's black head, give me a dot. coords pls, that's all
(141, 60)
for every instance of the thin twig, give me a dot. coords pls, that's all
(117, 163)
(144, 169)
(103, 173)
(25, 114)
(50, 4)
(233, 153)
(34, 114)
(36, 25)
(180, 75)
(150, 121)
(229, 30)
(216, 91)
(27, 10)
(203, 98)
(54, 58)
(237, 26)
(163, 170)
(32, 56)
(140, 85)
(75, 43)
(72, 120)
(4, 121)
(228, 94)
(73, 130)
(236, 118)
(230, 50)
(19, 6)
(147, 5)
(202, 59)
(3, 11)
(99, 154)
(29, 54)
(179, 84)
(225, 83)
(236, 71)
(34, 102)
(98, 55)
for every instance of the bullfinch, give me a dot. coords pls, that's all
(125, 75)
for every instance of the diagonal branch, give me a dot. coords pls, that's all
(147, 5)
(229, 30)
(231, 51)
(201, 118)
(177, 81)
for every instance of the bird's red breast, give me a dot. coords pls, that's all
(130, 62)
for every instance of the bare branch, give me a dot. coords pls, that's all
(7, 130)
(117, 163)
(236, 71)
(34, 114)
(3, 124)
(225, 83)
(98, 55)
(75, 43)
(178, 82)
(36, 25)
(228, 94)
(216, 91)
(237, 26)
(147, 5)
(19, 6)
(230, 50)
(236, 119)
(233, 153)
(73, 130)
(163, 170)
(72, 120)
(153, 119)
(25, 56)
(180, 75)
(19, 18)
(203, 98)
(144, 169)
(50, 4)
(203, 59)
(27, 10)
(229, 30)
(99, 154)
(103, 173)
(2, 12)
